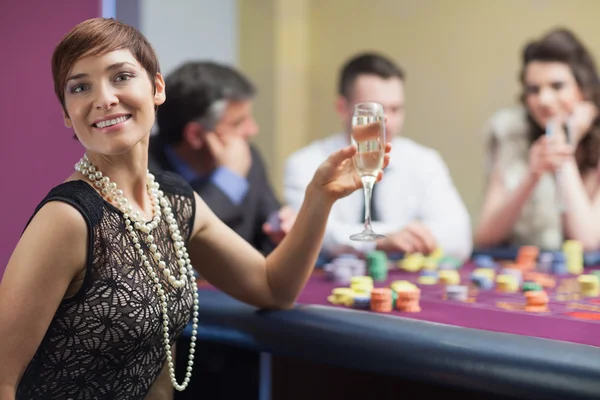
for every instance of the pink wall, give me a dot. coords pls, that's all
(36, 150)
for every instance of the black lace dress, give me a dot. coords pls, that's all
(106, 342)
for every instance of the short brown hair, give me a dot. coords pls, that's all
(366, 64)
(99, 36)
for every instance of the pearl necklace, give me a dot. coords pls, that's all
(134, 222)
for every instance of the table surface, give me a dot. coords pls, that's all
(440, 354)
(475, 346)
(570, 318)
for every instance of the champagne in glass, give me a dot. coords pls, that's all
(368, 135)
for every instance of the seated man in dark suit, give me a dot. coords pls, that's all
(203, 135)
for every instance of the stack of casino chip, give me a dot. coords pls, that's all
(485, 261)
(342, 296)
(527, 257)
(401, 285)
(428, 277)
(482, 282)
(361, 301)
(362, 284)
(377, 265)
(338, 273)
(536, 301)
(545, 262)
(408, 299)
(457, 292)
(449, 277)
(412, 262)
(559, 264)
(573, 251)
(430, 264)
(589, 285)
(483, 278)
(517, 273)
(381, 300)
(507, 283)
(487, 272)
(341, 270)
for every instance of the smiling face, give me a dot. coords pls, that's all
(110, 102)
(551, 91)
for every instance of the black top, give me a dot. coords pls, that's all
(106, 341)
(245, 219)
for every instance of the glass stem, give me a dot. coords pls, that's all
(368, 183)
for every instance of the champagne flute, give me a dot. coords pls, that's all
(368, 135)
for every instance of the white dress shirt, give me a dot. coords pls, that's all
(416, 185)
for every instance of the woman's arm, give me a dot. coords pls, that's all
(501, 209)
(50, 254)
(582, 208)
(231, 264)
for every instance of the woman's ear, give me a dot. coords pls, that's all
(159, 92)
(66, 119)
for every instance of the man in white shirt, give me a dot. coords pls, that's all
(416, 205)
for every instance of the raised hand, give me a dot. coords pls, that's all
(582, 117)
(547, 154)
(231, 152)
(337, 177)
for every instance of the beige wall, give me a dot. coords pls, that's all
(461, 58)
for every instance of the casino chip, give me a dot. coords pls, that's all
(536, 301)
(381, 300)
(485, 261)
(413, 262)
(513, 271)
(545, 262)
(531, 286)
(377, 265)
(408, 300)
(507, 283)
(449, 277)
(589, 285)
(400, 286)
(573, 251)
(457, 292)
(487, 272)
(428, 277)
(341, 296)
(559, 264)
(362, 285)
(341, 270)
(361, 302)
(482, 282)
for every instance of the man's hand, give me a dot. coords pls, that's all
(413, 238)
(232, 153)
(279, 224)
